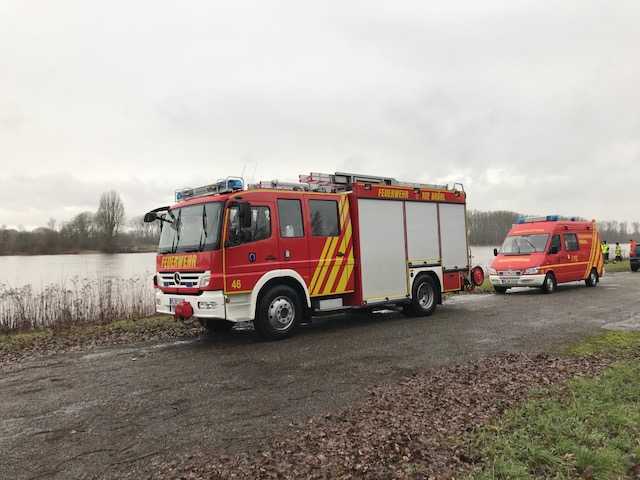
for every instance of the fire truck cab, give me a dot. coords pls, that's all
(545, 251)
(277, 253)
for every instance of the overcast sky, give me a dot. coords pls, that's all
(533, 105)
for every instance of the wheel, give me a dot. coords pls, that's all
(423, 298)
(634, 267)
(216, 326)
(279, 311)
(500, 290)
(592, 279)
(550, 284)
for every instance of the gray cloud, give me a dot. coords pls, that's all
(533, 105)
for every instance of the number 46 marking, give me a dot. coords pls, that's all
(236, 284)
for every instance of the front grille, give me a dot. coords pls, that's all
(186, 279)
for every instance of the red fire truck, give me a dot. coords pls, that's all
(278, 253)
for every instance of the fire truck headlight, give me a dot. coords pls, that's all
(204, 280)
(207, 305)
(492, 271)
(532, 271)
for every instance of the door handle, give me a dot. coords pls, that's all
(270, 257)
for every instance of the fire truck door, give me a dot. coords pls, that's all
(249, 252)
(330, 245)
(575, 259)
(292, 237)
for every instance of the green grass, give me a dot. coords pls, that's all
(623, 266)
(10, 342)
(590, 431)
(486, 287)
(609, 343)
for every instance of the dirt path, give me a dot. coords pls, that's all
(113, 410)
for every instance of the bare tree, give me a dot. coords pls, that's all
(110, 217)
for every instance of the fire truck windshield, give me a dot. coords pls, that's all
(191, 229)
(524, 244)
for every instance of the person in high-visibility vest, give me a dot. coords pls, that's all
(618, 252)
(605, 251)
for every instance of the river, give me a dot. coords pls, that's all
(41, 270)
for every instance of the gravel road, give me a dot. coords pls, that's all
(112, 411)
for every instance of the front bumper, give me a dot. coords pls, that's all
(517, 280)
(207, 305)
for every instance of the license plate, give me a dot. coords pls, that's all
(510, 281)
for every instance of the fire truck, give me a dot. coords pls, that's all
(276, 253)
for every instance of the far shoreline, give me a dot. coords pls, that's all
(80, 252)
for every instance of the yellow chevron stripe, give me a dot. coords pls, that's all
(592, 254)
(325, 264)
(336, 266)
(344, 211)
(346, 273)
(314, 279)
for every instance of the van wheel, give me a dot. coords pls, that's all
(592, 279)
(500, 290)
(634, 268)
(279, 312)
(216, 326)
(550, 284)
(423, 298)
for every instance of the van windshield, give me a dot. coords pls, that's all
(524, 244)
(191, 229)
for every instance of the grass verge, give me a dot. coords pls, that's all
(588, 429)
(119, 331)
(613, 267)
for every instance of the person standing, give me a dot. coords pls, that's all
(618, 252)
(633, 246)
(605, 251)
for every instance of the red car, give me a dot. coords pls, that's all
(543, 252)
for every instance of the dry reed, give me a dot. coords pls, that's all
(78, 301)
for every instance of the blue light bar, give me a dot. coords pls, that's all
(549, 218)
(229, 184)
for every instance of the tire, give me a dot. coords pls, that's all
(500, 290)
(216, 326)
(550, 284)
(592, 279)
(634, 268)
(424, 298)
(279, 312)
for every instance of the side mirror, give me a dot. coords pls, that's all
(244, 211)
(150, 217)
(495, 252)
(553, 250)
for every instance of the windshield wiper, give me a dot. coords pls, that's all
(176, 238)
(532, 245)
(203, 232)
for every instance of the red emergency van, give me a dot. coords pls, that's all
(276, 253)
(545, 251)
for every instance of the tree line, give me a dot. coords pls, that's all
(490, 228)
(105, 230)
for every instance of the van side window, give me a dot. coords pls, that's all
(555, 243)
(290, 213)
(571, 242)
(324, 218)
(259, 230)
